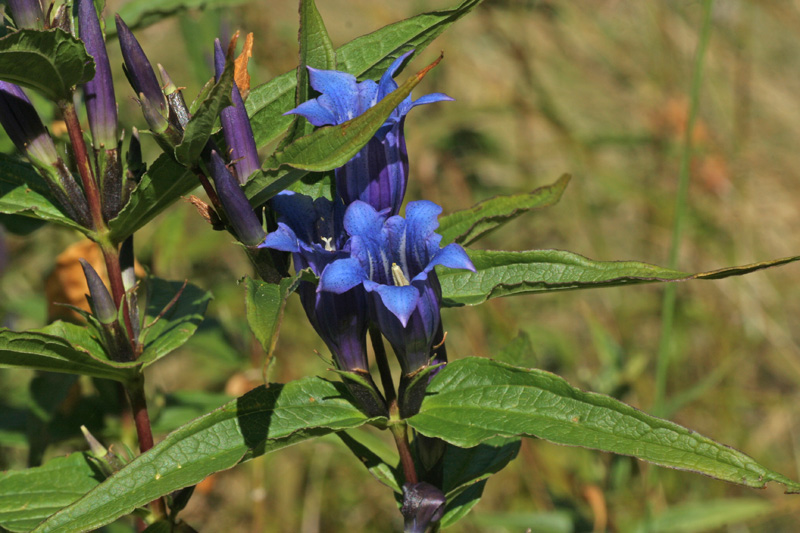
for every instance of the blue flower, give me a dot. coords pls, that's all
(313, 231)
(394, 260)
(377, 174)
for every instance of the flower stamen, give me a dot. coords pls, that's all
(399, 278)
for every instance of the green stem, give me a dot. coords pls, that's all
(668, 303)
(383, 365)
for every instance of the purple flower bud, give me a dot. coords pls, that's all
(102, 305)
(377, 174)
(101, 105)
(423, 506)
(140, 72)
(24, 127)
(237, 208)
(236, 126)
(27, 13)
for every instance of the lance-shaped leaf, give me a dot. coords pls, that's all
(52, 62)
(328, 147)
(201, 125)
(367, 56)
(469, 225)
(174, 311)
(500, 273)
(263, 420)
(29, 496)
(163, 183)
(24, 192)
(265, 303)
(472, 400)
(61, 347)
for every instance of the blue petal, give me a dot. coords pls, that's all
(297, 212)
(282, 239)
(431, 98)
(362, 219)
(400, 301)
(367, 96)
(341, 88)
(341, 276)
(452, 256)
(387, 84)
(314, 112)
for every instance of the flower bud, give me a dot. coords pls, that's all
(236, 126)
(137, 67)
(102, 305)
(101, 105)
(423, 506)
(240, 214)
(178, 110)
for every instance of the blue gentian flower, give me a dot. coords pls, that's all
(423, 506)
(394, 260)
(138, 68)
(101, 105)
(377, 174)
(237, 208)
(27, 13)
(312, 230)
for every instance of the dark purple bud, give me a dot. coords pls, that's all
(102, 305)
(237, 208)
(236, 126)
(178, 110)
(101, 105)
(423, 506)
(24, 127)
(140, 72)
(27, 13)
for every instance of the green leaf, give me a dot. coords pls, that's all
(469, 225)
(466, 471)
(502, 273)
(328, 147)
(161, 185)
(180, 318)
(199, 128)
(375, 455)
(61, 347)
(472, 400)
(141, 13)
(265, 184)
(24, 192)
(263, 420)
(316, 50)
(29, 496)
(52, 62)
(695, 517)
(367, 56)
(265, 303)
(535, 522)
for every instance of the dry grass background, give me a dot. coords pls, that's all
(598, 89)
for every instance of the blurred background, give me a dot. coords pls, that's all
(597, 89)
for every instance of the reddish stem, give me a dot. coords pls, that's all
(143, 431)
(400, 433)
(90, 188)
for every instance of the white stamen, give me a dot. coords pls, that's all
(329, 247)
(400, 279)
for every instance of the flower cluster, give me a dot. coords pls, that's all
(374, 266)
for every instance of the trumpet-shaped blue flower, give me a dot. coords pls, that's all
(394, 260)
(378, 173)
(313, 231)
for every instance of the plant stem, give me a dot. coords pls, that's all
(668, 303)
(383, 365)
(111, 257)
(143, 431)
(400, 433)
(90, 188)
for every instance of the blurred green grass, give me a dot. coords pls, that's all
(597, 89)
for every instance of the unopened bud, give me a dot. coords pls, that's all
(102, 305)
